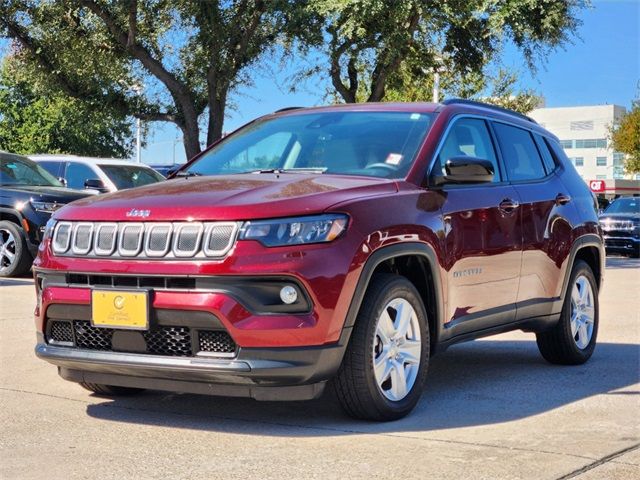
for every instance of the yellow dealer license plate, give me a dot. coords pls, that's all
(118, 309)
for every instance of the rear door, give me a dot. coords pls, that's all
(544, 204)
(482, 236)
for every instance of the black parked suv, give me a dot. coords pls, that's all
(28, 197)
(620, 224)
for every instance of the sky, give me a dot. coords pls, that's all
(600, 66)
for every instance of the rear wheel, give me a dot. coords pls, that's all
(111, 390)
(573, 339)
(15, 258)
(384, 369)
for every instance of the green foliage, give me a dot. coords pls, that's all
(372, 44)
(159, 60)
(626, 138)
(37, 121)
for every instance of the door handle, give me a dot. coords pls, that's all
(508, 205)
(562, 199)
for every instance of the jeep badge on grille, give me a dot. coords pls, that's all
(134, 212)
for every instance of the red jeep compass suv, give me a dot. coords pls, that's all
(346, 243)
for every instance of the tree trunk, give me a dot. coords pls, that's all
(191, 139)
(216, 118)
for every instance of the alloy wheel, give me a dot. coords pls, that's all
(582, 312)
(7, 249)
(397, 349)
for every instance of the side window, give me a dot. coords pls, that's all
(52, 167)
(547, 157)
(77, 174)
(520, 155)
(267, 153)
(468, 137)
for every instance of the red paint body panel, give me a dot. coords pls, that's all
(485, 260)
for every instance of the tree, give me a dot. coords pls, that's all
(36, 121)
(499, 89)
(626, 138)
(369, 42)
(158, 60)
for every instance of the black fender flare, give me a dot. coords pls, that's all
(584, 241)
(13, 212)
(385, 253)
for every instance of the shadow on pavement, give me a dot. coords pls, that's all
(622, 262)
(16, 281)
(477, 383)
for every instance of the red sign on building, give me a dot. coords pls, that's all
(597, 186)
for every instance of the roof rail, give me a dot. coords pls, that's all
(286, 109)
(462, 101)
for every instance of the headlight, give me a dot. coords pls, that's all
(48, 229)
(48, 207)
(295, 231)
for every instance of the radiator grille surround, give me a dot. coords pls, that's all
(148, 240)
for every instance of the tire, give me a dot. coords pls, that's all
(15, 258)
(111, 390)
(357, 388)
(561, 345)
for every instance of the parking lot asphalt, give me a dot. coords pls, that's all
(492, 409)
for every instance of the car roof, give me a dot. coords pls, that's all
(85, 160)
(449, 106)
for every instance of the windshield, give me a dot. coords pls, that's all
(379, 144)
(624, 205)
(130, 176)
(16, 170)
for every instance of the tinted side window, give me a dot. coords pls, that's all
(52, 167)
(520, 155)
(468, 137)
(547, 157)
(77, 174)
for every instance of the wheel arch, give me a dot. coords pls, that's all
(415, 261)
(590, 249)
(11, 215)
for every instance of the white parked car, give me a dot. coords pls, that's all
(99, 175)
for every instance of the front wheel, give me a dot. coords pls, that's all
(15, 259)
(384, 369)
(572, 340)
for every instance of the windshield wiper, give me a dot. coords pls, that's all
(187, 174)
(289, 170)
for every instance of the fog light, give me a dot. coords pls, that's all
(288, 295)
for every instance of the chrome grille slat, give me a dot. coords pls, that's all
(152, 240)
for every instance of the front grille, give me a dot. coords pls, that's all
(61, 332)
(90, 337)
(173, 341)
(210, 341)
(144, 240)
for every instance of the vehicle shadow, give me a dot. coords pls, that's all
(614, 262)
(478, 383)
(26, 279)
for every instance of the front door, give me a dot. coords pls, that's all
(482, 237)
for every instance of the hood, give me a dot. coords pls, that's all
(42, 193)
(230, 197)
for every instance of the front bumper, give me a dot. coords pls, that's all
(622, 244)
(259, 373)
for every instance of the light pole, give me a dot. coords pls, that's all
(436, 78)
(138, 159)
(137, 88)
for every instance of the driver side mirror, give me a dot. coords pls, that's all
(63, 181)
(95, 184)
(464, 169)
